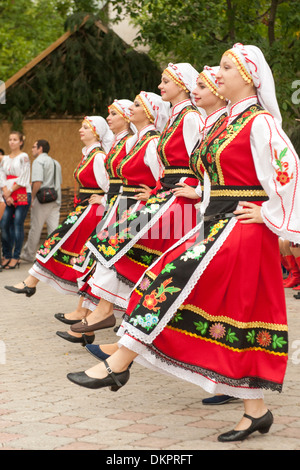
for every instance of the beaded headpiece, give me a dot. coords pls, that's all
(239, 65)
(101, 131)
(208, 76)
(254, 68)
(157, 110)
(122, 108)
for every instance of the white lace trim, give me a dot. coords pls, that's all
(203, 205)
(134, 240)
(188, 235)
(151, 361)
(187, 289)
(84, 266)
(110, 215)
(65, 237)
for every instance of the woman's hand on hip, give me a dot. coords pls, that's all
(249, 213)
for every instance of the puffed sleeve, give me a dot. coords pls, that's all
(152, 159)
(23, 178)
(278, 170)
(193, 125)
(2, 175)
(100, 172)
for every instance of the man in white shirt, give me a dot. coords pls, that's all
(46, 172)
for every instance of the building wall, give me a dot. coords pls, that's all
(63, 137)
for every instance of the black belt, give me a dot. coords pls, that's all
(174, 186)
(222, 215)
(131, 190)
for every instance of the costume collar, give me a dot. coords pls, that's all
(213, 117)
(144, 130)
(119, 137)
(240, 106)
(177, 108)
(87, 150)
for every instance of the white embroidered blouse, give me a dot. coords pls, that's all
(19, 167)
(278, 170)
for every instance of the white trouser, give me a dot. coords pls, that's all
(40, 214)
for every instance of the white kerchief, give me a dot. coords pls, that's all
(186, 75)
(157, 108)
(101, 131)
(256, 65)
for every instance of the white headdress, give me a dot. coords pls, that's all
(209, 77)
(101, 131)
(155, 108)
(184, 75)
(122, 107)
(253, 66)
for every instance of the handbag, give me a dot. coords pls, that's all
(45, 195)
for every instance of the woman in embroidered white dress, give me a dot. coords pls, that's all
(16, 190)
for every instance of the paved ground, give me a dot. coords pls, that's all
(41, 410)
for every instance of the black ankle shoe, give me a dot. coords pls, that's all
(61, 317)
(28, 291)
(83, 339)
(261, 425)
(114, 380)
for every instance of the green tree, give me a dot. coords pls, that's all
(27, 27)
(200, 31)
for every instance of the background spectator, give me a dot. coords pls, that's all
(43, 176)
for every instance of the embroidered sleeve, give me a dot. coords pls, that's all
(278, 170)
(193, 125)
(100, 172)
(23, 171)
(152, 159)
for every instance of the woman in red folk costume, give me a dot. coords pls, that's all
(207, 98)
(129, 247)
(216, 315)
(56, 257)
(139, 170)
(119, 123)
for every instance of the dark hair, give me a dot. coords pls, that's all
(2, 152)
(44, 144)
(21, 137)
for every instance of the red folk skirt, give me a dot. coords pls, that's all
(65, 247)
(229, 333)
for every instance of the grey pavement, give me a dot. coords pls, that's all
(41, 410)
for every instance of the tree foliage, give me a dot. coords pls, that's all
(194, 31)
(27, 27)
(198, 32)
(82, 76)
